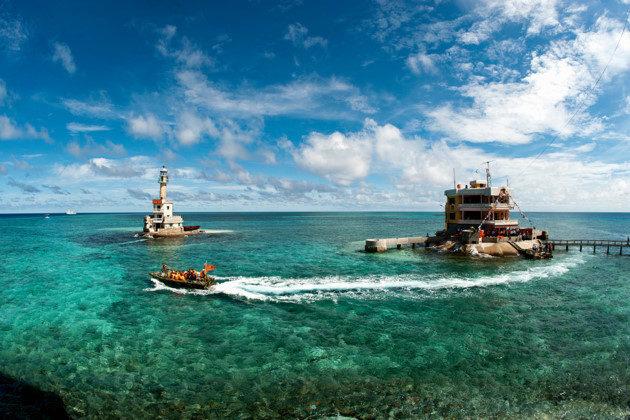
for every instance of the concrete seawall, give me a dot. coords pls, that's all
(501, 249)
(381, 245)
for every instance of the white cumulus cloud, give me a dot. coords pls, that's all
(191, 128)
(421, 62)
(62, 53)
(9, 130)
(312, 96)
(3, 92)
(83, 128)
(340, 158)
(298, 35)
(558, 85)
(12, 34)
(492, 15)
(93, 148)
(145, 127)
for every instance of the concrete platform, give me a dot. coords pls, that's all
(500, 249)
(381, 245)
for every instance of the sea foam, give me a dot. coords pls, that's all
(279, 289)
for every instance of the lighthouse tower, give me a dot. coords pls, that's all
(163, 222)
(163, 180)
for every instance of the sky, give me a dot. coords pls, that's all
(312, 105)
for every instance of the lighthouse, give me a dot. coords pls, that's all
(163, 222)
(163, 180)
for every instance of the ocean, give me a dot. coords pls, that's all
(304, 324)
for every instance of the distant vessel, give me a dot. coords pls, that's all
(163, 222)
(71, 212)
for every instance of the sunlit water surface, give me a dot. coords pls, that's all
(303, 323)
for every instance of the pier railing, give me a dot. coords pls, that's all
(590, 243)
(381, 245)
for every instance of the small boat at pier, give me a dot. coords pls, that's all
(191, 228)
(188, 279)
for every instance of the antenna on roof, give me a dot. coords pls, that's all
(488, 177)
(454, 178)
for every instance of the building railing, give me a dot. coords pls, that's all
(487, 223)
(485, 206)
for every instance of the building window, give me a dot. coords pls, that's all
(451, 200)
(167, 207)
(452, 216)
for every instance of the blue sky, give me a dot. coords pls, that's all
(312, 105)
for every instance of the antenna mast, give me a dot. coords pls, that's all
(488, 177)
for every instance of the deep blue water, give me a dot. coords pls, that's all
(303, 323)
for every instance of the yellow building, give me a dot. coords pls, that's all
(479, 205)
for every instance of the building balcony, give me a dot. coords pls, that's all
(501, 223)
(489, 223)
(484, 206)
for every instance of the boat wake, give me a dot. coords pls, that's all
(302, 290)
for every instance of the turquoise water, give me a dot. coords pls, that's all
(304, 324)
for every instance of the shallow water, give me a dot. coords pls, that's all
(303, 323)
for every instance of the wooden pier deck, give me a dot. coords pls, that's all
(566, 243)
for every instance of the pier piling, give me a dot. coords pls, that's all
(590, 242)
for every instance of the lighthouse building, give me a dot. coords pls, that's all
(163, 222)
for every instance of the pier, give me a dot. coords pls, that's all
(566, 243)
(381, 245)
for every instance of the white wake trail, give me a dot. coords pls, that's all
(333, 287)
